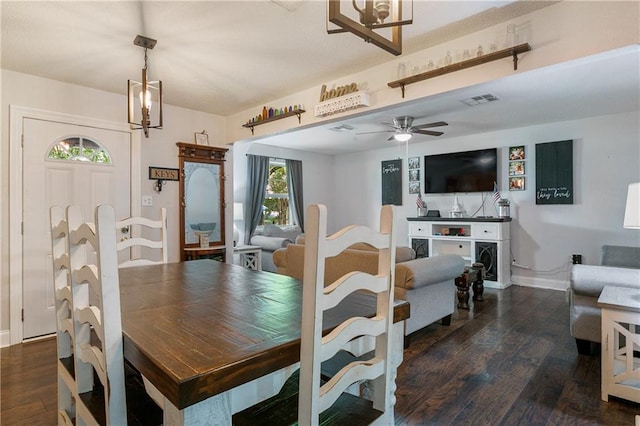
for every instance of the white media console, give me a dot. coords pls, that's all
(485, 240)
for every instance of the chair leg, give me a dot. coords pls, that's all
(446, 320)
(584, 347)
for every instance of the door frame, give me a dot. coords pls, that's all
(17, 116)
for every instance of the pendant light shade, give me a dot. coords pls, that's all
(145, 97)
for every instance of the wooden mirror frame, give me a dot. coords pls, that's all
(188, 152)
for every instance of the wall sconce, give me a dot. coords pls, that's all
(147, 94)
(372, 16)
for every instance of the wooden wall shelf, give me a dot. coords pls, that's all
(489, 57)
(297, 112)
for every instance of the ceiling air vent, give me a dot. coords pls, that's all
(482, 99)
(342, 128)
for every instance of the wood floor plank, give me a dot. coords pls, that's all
(509, 360)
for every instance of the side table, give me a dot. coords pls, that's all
(620, 342)
(250, 257)
(211, 252)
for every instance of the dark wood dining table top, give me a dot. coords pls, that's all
(199, 328)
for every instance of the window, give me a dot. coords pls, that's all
(276, 200)
(79, 148)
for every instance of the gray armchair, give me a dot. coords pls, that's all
(620, 267)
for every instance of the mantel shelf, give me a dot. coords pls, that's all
(297, 112)
(489, 57)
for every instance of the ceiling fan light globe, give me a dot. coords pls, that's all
(402, 137)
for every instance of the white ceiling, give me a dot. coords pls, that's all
(224, 57)
(220, 57)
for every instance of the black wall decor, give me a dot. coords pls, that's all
(392, 182)
(554, 172)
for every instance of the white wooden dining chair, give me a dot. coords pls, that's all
(144, 250)
(328, 401)
(64, 318)
(96, 296)
(98, 324)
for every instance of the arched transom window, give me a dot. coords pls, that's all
(79, 148)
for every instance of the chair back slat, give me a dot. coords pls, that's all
(347, 284)
(347, 331)
(314, 396)
(137, 242)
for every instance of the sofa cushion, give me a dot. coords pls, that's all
(289, 232)
(409, 275)
(589, 280)
(270, 243)
(403, 253)
(624, 257)
(431, 270)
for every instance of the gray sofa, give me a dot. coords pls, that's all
(620, 266)
(426, 283)
(272, 237)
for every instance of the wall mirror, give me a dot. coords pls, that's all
(202, 202)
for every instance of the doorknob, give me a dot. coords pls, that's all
(124, 229)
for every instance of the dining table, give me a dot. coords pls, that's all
(214, 338)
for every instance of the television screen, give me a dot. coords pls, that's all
(469, 171)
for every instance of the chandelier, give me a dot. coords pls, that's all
(377, 21)
(145, 97)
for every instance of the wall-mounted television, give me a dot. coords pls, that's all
(468, 171)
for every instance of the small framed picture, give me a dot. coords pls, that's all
(414, 162)
(516, 183)
(414, 175)
(516, 168)
(414, 187)
(516, 153)
(202, 138)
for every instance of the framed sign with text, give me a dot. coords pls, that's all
(554, 172)
(163, 173)
(392, 182)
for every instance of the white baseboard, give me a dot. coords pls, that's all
(5, 338)
(560, 285)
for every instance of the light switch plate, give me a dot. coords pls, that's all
(147, 201)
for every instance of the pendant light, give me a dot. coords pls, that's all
(145, 97)
(375, 21)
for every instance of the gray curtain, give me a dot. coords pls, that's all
(294, 185)
(257, 176)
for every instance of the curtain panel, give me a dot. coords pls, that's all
(294, 185)
(257, 176)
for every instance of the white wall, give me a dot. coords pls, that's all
(317, 173)
(543, 237)
(158, 150)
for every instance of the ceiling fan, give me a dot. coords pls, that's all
(403, 128)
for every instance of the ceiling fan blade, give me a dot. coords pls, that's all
(379, 131)
(428, 132)
(391, 138)
(426, 126)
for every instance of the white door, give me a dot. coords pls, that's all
(75, 180)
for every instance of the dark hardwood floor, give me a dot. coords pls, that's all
(508, 361)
